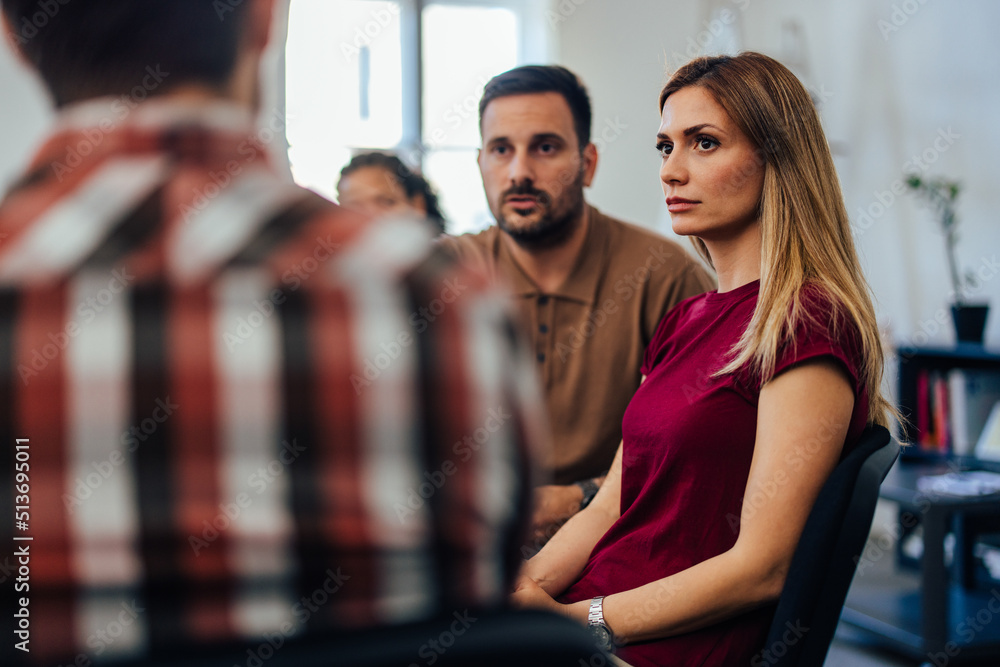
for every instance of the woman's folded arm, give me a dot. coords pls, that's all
(810, 403)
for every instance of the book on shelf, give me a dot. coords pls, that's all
(988, 445)
(933, 413)
(942, 413)
(972, 395)
(986, 559)
(925, 434)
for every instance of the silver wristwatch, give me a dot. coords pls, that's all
(598, 628)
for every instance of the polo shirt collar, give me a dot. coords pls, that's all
(583, 280)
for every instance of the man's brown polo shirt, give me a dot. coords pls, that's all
(589, 335)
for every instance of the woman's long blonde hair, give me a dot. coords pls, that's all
(806, 234)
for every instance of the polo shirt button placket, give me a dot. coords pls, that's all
(543, 328)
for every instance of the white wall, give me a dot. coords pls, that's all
(886, 99)
(24, 115)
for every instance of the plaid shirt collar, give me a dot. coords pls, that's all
(199, 132)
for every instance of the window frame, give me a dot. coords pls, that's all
(535, 44)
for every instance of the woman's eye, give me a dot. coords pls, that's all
(664, 149)
(706, 143)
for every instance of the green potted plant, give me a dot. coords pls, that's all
(942, 194)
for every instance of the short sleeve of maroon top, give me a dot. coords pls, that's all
(688, 443)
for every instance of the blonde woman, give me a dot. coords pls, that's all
(750, 396)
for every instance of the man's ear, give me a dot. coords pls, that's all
(260, 18)
(419, 202)
(589, 164)
(11, 36)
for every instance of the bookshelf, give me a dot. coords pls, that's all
(919, 604)
(931, 395)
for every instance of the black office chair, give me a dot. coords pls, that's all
(494, 638)
(827, 555)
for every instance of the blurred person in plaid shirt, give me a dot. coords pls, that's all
(229, 409)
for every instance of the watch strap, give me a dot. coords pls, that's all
(596, 614)
(590, 489)
(603, 635)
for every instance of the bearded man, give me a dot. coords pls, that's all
(591, 289)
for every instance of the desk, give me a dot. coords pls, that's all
(929, 617)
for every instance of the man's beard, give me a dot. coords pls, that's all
(554, 227)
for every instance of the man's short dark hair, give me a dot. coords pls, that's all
(93, 48)
(532, 79)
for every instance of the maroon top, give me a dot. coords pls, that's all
(689, 439)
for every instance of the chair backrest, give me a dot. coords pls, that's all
(494, 638)
(827, 555)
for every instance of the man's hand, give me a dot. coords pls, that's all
(554, 505)
(529, 595)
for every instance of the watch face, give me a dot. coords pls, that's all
(602, 636)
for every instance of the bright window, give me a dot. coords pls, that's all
(353, 84)
(453, 84)
(343, 85)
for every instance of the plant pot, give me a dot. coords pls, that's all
(970, 322)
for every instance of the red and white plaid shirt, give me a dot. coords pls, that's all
(242, 409)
